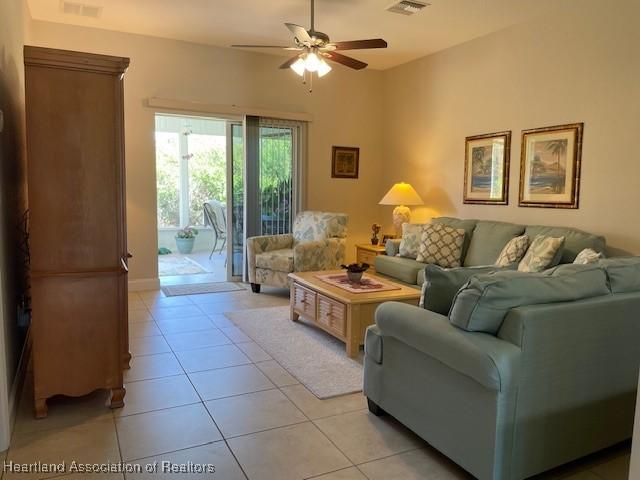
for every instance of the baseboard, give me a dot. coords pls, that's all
(142, 284)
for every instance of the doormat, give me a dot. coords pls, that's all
(199, 288)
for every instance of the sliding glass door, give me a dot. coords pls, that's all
(271, 178)
(277, 200)
(235, 210)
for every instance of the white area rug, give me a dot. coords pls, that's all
(175, 264)
(198, 288)
(318, 360)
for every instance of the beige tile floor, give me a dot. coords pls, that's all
(201, 391)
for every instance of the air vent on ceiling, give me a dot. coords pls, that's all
(80, 9)
(407, 7)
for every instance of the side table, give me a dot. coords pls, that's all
(367, 253)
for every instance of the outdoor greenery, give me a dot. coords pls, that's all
(207, 176)
(206, 167)
(275, 179)
(168, 179)
(207, 173)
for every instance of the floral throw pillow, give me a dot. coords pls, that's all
(513, 251)
(411, 237)
(587, 256)
(441, 245)
(541, 254)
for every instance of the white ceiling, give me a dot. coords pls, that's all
(222, 22)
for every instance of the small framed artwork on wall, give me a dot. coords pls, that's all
(550, 166)
(345, 162)
(486, 169)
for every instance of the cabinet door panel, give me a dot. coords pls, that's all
(77, 323)
(74, 171)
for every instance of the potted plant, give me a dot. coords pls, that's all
(355, 271)
(185, 238)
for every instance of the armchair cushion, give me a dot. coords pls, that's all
(280, 260)
(261, 244)
(312, 226)
(319, 255)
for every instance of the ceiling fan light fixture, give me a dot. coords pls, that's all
(298, 66)
(323, 68)
(312, 62)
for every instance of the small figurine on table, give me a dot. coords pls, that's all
(375, 228)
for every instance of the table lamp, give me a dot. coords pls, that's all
(401, 194)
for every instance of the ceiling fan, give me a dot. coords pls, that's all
(316, 46)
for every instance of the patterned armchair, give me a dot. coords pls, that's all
(317, 243)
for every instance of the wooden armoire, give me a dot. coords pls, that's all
(77, 232)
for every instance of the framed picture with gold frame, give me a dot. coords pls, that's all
(550, 161)
(345, 162)
(486, 169)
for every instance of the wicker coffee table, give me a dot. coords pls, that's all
(341, 313)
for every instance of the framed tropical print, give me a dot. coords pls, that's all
(345, 162)
(550, 166)
(486, 169)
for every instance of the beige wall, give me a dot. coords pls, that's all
(12, 200)
(410, 122)
(346, 108)
(579, 64)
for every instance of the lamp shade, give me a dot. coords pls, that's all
(401, 194)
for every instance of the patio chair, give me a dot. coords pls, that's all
(215, 215)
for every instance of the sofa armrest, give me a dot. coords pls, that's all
(492, 362)
(261, 244)
(392, 247)
(325, 254)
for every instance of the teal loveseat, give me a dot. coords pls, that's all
(509, 389)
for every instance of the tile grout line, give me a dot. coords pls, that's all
(309, 420)
(277, 387)
(216, 425)
(115, 428)
(313, 422)
(201, 402)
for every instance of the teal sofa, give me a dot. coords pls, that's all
(525, 373)
(483, 243)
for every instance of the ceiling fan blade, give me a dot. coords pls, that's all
(289, 62)
(261, 46)
(299, 32)
(360, 44)
(344, 60)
